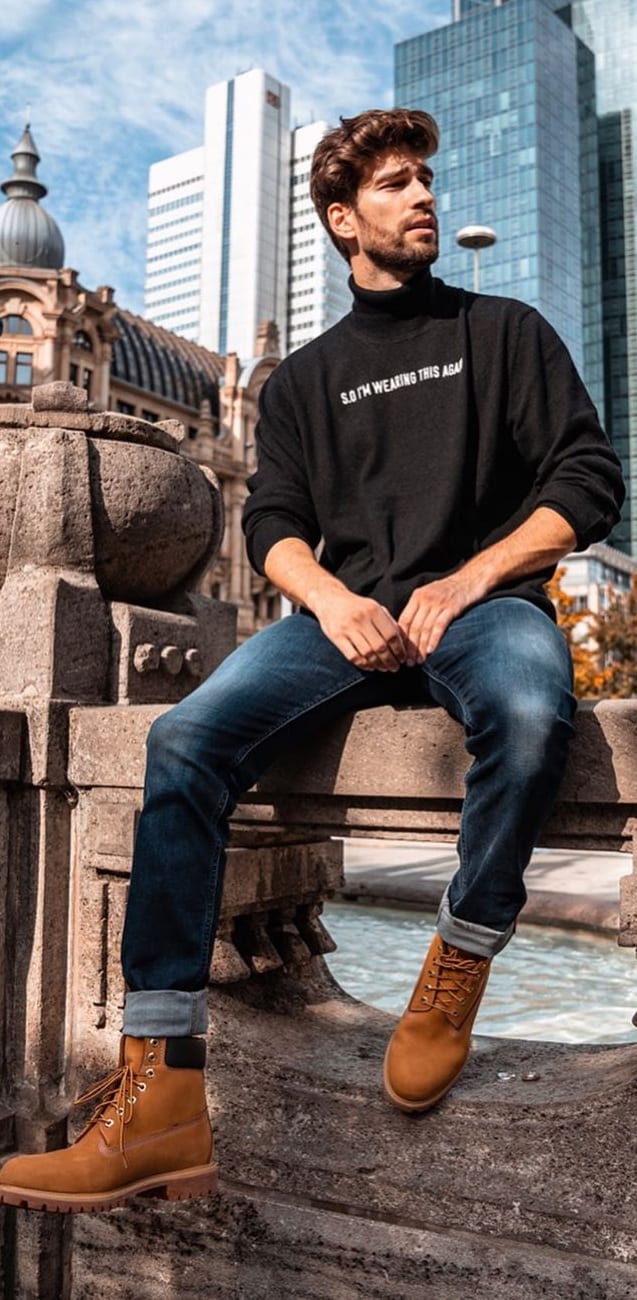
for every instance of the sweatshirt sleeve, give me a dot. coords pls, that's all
(280, 502)
(558, 434)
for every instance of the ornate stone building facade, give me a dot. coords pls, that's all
(53, 328)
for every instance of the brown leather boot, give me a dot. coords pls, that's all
(431, 1042)
(149, 1135)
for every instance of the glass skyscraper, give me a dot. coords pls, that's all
(610, 28)
(513, 90)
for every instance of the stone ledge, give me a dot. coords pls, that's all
(543, 907)
(101, 424)
(251, 1246)
(386, 752)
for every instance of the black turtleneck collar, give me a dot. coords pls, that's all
(383, 307)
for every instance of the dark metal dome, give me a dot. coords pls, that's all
(161, 362)
(28, 235)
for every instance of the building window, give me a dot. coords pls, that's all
(192, 431)
(83, 340)
(4, 367)
(125, 408)
(151, 416)
(87, 379)
(14, 325)
(74, 374)
(23, 368)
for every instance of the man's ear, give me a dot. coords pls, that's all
(340, 217)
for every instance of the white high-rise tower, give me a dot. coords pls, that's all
(317, 290)
(172, 290)
(218, 221)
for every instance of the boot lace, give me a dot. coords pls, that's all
(116, 1091)
(453, 979)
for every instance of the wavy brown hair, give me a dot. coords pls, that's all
(342, 158)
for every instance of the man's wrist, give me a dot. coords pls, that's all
(479, 575)
(327, 587)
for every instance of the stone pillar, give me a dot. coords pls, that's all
(205, 442)
(103, 375)
(64, 353)
(104, 528)
(236, 545)
(628, 906)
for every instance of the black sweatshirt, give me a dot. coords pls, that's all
(423, 427)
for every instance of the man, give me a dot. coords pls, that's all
(443, 447)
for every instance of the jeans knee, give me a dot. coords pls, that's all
(176, 739)
(531, 729)
(162, 734)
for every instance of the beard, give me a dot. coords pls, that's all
(389, 250)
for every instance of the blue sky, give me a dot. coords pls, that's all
(113, 85)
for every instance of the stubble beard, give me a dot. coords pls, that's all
(390, 252)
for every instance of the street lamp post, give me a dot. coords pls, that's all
(476, 237)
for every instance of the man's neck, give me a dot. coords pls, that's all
(369, 276)
(377, 307)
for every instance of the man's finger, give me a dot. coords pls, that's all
(432, 631)
(373, 649)
(389, 629)
(381, 653)
(386, 639)
(414, 632)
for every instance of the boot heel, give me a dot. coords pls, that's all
(202, 1183)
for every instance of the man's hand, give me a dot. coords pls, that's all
(362, 630)
(430, 610)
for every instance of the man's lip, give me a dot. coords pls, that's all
(423, 225)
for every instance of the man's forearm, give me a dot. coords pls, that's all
(291, 565)
(543, 539)
(537, 544)
(362, 629)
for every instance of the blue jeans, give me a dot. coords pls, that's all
(502, 668)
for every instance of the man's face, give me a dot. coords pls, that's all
(393, 217)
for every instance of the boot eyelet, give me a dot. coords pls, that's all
(153, 1042)
(120, 1110)
(108, 1123)
(150, 1073)
(142, 1086)
(133, 1100)
(151, 1056)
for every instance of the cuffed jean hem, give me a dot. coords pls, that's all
(165, 1013)
(480, 939)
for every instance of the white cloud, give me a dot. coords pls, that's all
(115, 85)
(16, 20)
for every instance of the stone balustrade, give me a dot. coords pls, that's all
(519, 1184)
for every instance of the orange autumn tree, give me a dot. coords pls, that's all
(615, 631)
(592, 679)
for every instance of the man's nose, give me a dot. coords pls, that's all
(420, 192)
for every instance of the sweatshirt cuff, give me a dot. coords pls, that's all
(588, 525)
(264, 536)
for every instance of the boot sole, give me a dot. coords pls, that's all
(414, 1107)
(184, 1185)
